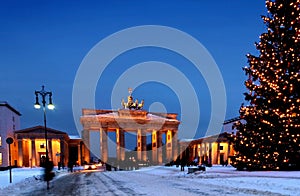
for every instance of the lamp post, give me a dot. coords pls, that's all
(9, 141)
(37, 105)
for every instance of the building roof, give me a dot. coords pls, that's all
(218, 137)
(75, 137)
(126, 113)
(231, 120)
(149, 116)
(39, 128)
(128, 119)
(4, 103)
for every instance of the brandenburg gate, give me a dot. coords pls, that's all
(137, 121)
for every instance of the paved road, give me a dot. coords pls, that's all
(82, 183)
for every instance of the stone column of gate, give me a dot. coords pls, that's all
(169, 145)
(206, 151)
(122, 144)
(50, 155)
(103, 144)
(139, 144)
(159, 146)
(33, 153)
(118, 150)
(144, 145)
(20, 152)
(120, 140)
(175, 144)
(79, 154)
(86, 140)
(154, 146)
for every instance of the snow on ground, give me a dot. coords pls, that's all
(18, 175)
(159, 179)
(279, 182)
(24, 175)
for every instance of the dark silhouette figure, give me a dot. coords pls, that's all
(222, 162)
(49, 174)
(182, 164)
(70, 166)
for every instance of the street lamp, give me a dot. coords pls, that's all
(37, 105)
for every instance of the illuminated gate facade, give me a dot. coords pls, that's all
(139, 122)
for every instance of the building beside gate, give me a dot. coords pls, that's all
(216, 149)
(9, 122)
(30, 147)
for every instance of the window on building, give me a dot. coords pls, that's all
(221, 147)
(0, 158)
(0, 140)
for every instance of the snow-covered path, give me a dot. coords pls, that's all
(164, 181)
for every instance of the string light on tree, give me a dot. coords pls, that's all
(268, 138)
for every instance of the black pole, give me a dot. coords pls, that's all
(10, 177)
(46, 138)
(43, 94)
(46, 135)
(9, 141)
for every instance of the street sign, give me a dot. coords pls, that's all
(9, 140)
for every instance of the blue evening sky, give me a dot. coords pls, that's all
(44, 42)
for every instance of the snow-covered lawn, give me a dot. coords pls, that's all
(24, 175)
(18, 175)
(279, 182)
(225, 180)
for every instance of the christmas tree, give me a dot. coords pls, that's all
(268, 137)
